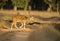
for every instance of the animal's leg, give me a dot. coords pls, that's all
(12, 26)
(24, 25)
(15, 25)
(21, 25)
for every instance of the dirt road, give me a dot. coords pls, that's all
(46, 34)
(14, 36)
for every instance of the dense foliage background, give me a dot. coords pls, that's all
(53, 5)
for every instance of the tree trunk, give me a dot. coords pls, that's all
(1, 7)
(15, 8)
(50, 8)
(29, 11)
(58, 8)
(26, 5)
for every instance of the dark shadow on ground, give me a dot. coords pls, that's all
(47, 19)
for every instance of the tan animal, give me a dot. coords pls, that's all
(22, 19)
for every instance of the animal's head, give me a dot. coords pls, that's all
(32, 18)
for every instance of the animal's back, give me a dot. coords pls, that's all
(20, 18)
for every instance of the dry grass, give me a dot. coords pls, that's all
(38, 13)
(26, 29)
(21, 30)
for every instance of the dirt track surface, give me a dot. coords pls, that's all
(14, 36)
(46, 34)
